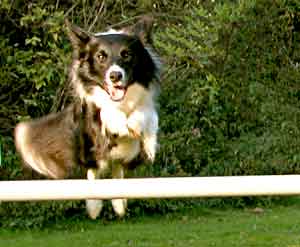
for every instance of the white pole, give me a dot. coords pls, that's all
(36, 190)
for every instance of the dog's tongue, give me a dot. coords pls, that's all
(116, 93)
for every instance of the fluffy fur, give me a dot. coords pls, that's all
(113, 119)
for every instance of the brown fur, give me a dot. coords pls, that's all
(63, 140)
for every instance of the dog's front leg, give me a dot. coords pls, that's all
(119, 205)
(137, 122)
(150, 136)
(144, 122)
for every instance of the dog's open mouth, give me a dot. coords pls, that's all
(116, 92)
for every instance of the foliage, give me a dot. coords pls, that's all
(230, 95)
(219, 105)
(33, 61)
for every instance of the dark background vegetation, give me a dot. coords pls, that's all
(230, 98)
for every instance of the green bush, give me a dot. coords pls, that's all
(231, 77)
(229, 103)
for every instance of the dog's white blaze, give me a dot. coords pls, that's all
(110, 31)
(116, 68)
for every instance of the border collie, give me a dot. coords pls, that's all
(112, 120)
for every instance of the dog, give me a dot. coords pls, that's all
(112, 120)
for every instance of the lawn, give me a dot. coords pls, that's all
(275, 226)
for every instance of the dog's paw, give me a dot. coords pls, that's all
(119, 206)
(134, 133)
(150, 154)
(150, 147)
(134, 127)
(94, 208)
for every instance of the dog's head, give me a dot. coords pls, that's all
(115, 59)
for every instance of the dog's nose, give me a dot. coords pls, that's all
(115, 76)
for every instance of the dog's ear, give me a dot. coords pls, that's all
(78, 37)
(142, 29)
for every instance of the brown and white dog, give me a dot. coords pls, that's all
(112, 120)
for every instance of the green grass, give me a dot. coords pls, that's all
(275, 226)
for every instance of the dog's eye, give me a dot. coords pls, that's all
(125, 54)
(102, 56)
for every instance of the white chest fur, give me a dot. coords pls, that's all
(135, 114)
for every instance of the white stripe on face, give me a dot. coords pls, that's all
(115, 68)
(110, 31)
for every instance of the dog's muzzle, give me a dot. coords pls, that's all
(114, 84)
(116, 93)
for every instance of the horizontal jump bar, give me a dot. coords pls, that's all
(175, 187)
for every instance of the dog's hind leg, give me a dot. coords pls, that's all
(119, 205)
(93, 207)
